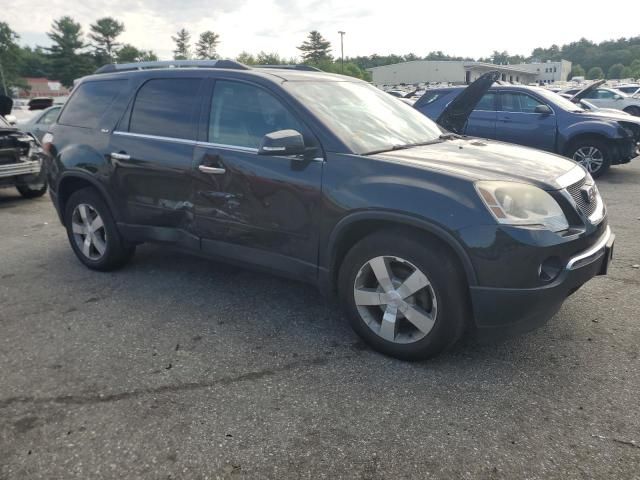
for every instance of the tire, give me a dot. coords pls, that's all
(440, 306)
(32, 190)
(105, 249)
(635, 111)
(593, 154)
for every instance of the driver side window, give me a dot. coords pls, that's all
(241, 114)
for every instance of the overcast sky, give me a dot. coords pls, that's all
(457, 27)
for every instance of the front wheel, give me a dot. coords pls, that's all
(404, 294)
(594, 155)
(32, 190)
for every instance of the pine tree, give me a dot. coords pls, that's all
(206, 46)
(315, 49)
(104, 34)
(68, 62)
(182, 39)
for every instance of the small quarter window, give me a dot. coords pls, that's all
(89, 103)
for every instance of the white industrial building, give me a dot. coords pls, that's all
(461, 72)
(548, 72)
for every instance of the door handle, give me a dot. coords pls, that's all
(120, 156)
(213, 170)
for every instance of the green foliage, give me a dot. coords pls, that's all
(68, 62)
(128, 54)
(315, 49)
(9, 59)
(183, 47)
(615, 71)
(605, 54)
(502, 58)
(34, 63)
(626, 73)
(206, 46)
(104, 34)
(595, 73)
(577, 71)
(246, 58)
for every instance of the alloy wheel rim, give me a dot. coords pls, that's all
(589, 157)
(395, 299)
(89, 232)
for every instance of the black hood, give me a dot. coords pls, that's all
(455, 115)
(487, 160)
(578, 96)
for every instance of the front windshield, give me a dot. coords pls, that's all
(559, 100)
(366, 119)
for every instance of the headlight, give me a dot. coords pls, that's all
(514, 203)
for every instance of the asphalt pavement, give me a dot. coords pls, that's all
(178, 367)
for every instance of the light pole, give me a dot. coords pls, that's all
(341, 51)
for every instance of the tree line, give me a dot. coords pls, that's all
(73, 54)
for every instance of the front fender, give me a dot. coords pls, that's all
(609, 130)
(400, 219)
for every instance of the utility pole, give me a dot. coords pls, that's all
(341, 51)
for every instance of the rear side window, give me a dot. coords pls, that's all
(487, 102)
(89, 103)
(165, 107)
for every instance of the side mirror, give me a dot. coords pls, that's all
(543, 110)
(282, 142)
(11, 119)
(617, 97)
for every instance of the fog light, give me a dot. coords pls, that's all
(550, 269)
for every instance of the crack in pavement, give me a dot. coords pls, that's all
(115, 397)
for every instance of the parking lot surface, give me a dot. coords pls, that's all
(178, 367)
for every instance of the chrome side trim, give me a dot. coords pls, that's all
(22, 168)
(572, 176)
(591, 251)
(156, 137)
(227, 147)
(195, 143)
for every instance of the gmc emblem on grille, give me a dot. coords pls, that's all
(588, 193)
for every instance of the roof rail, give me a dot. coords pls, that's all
(124, 67)
(300, 66)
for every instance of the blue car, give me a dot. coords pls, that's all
(535, 117)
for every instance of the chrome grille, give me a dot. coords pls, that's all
(585, 207)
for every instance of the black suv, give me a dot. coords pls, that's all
(423, 234)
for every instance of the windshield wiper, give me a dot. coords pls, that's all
(450, 136)
(441, 138)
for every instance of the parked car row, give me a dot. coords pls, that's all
(604, 97)
(539, 118)
(424, 235)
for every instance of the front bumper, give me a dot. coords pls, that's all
(31, 167)
(502, 312)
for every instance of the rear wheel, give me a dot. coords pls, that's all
(592, 154)
(404, 294)
(92, 232)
